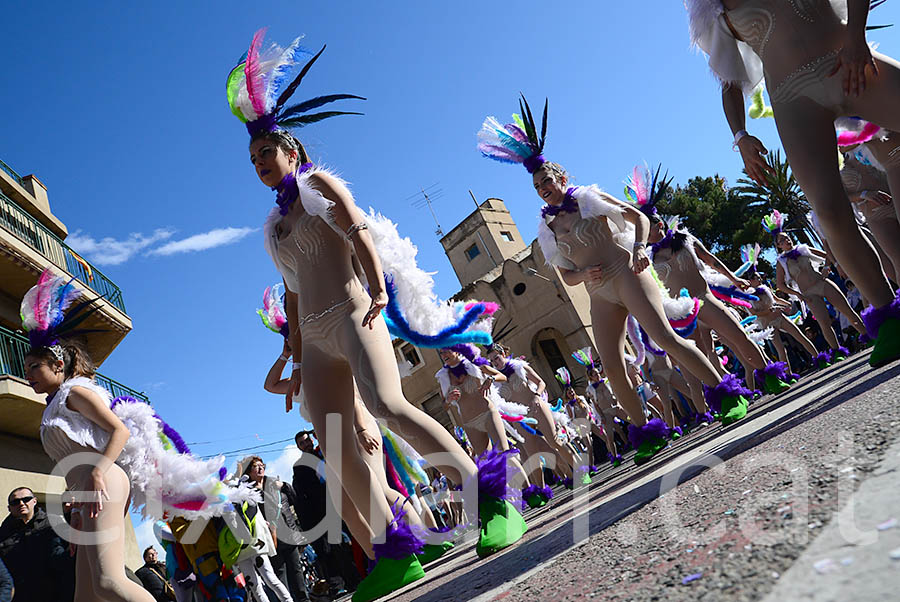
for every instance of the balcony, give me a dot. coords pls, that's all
(20, 407)
(26, 228)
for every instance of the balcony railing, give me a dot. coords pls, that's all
(11, 172)
(14, 347)
(26, 228)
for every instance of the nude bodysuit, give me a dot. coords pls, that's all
(798, 42)
(810, 281)
(858, 177)
(587, 242)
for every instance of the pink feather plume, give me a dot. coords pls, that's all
(640, 182)
(42, 302)
(850, 138)
(256, 87)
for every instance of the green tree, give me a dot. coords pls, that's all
(780, 192)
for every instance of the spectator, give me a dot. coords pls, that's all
(6, 584)
(311, 505)
(36, 557)
(153, 577)
(278, 510)
(254, 561)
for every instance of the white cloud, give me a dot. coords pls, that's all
(109, 251)
(283, 465)
(202, 242)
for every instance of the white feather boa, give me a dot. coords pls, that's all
(163, 481)
(591, 203)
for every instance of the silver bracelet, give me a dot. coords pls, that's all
(737, 138)
(356, 228)
(283, 357)
(295, 366)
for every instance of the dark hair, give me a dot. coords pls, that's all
(253, 460)
(9, 497)
(76, 360)
(284, 140)
(498, 348)
(144, 555)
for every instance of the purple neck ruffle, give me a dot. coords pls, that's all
(508, 370)
(569, 205)
(792, 254)
(288, 190)
(665, 243)
(459, 370)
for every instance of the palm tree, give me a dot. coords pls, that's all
(780, 192)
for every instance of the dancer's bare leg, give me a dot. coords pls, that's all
(547, 426)
(100, 569)
(793, 331)
(807, 133)
(840, 303)
(820, 312)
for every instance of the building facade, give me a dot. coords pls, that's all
(32, 240)
(541, 317)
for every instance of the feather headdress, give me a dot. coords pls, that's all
(774, 222)
(46, 314)
(257, 95)
(585, 357)
(516, 142)
(563, 377)
(853, 130)
(750, 256)
(646, 191)
(272, 313)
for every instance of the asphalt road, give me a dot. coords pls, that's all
(722, 514)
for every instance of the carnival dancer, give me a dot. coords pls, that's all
(817, 67)
(683, 262)
(769, 309)
(581, 418)
(601, 241)
(610, 414)
(799, 273)
(325, 241)
(869, 191)
(468, 381)
(121, 450)
(524, 386)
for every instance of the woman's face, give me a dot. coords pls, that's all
(657, 232)
(257, 471)
(784, 242)
(271, 162)
(497, 359)
(450, 358)
(594, 375)
(549, 187)
(570, 393)
(42, 376)
(755, 280)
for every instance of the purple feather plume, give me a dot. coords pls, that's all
(823, 356)
(654, 429)
(777, 369)
(492, 473)
(731, 386)
(400, 541)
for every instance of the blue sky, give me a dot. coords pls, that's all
(120, 110)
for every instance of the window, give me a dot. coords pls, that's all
(411, 355)
(507, 236)
(472, 252)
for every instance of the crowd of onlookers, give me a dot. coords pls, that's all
(37, 565)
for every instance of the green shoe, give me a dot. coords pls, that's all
(433, 552)
(887, 345)
(648, 449)
(774, 385)
(733, 409)
(389, 575)
(536, 500)
(501, 526)
(586, 479)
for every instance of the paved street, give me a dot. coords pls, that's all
(723, 514)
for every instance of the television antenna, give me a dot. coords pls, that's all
(425, 197)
